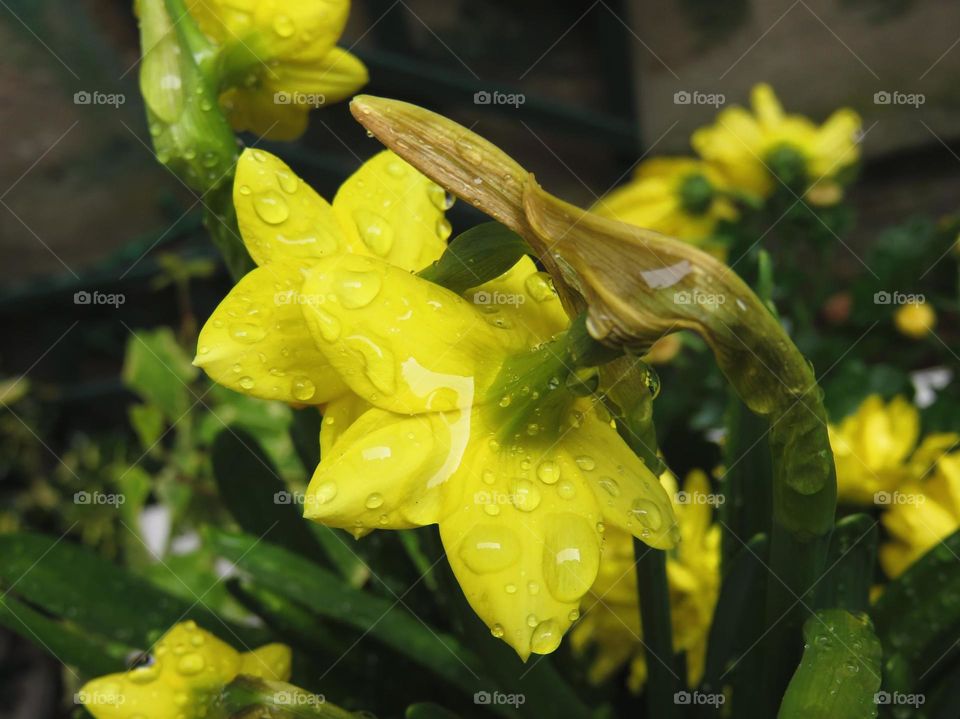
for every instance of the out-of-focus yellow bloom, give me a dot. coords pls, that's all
(921, 514)
(876, 451)
(678, 196)
(257, 341)
(915, 319)
(611, 621)
(278, 60)
(753, 149)
(519, 472)
(186, 672)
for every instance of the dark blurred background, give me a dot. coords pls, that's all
(84, 205)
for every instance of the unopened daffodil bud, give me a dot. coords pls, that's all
(915, 319)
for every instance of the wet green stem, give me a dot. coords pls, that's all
(245, 695)
(663, 680)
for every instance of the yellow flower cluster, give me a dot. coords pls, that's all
(438, 408)
(879, 462)
(278, 60)
(611, 620)
(182, 677)
(743, 154)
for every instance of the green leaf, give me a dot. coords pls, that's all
(69, 581)
(840, 670)
(256, 497)
(384, 620)
(62, 641)
(850, 564)
(478, 255)
(147, 422)
(736, 624)
(159, 371)
(918, 614)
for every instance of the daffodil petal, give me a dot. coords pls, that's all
(401, 343)
(630, 495)
(393, 211)
(388, 471)
(256, 341)
(338, 416)
(522, 300)
(280, 216)
(259, 111)
(524, 551)
(336, 76)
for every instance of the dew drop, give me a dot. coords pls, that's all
(271, 207)
(566, 490)
(374, 501)
(288, 181)
(375, 231)
(526, 496)
(358, 289)
(489, 548)
(586, 463)
(548, 472)
(497, 631)
(328, 325)
(247, 333)
(610, 486)
(538, 286)
(303, 388)
(191, 664)
(444, 229)
(283, 26)
(324, 493)
(647, 513)
(546, 637)
(571, 557)
(247, 382)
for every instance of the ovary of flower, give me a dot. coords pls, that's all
(186, 671)
(280, 60)
(742, 145)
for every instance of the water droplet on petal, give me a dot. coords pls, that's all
(247, 333)
(647, 513)
(610, 486)
(489, 548)
(526, 496)
(247, 382)
(328, 325)
(271, 207)
(303, 388)
(283, 26)
(358, 289)
(324, 493)
(538, 286)
(288, 181)
(546, 637)
(190, 664)
(566, 489)
(548, 472)
(375, 231)
(571, 557)
(444, 229)
(586, 463)
(373, 501)
(497, 631)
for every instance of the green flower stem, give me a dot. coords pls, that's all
(662, 676)
(242, 696)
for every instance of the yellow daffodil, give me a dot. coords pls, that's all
(257, 341)
(921, 514)
(754, 149)
(519, 472)
(438, 410)
(278, 60)
(876, 452)
(915, 319)
(183, 676)
(611, 621)
(678, 196)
